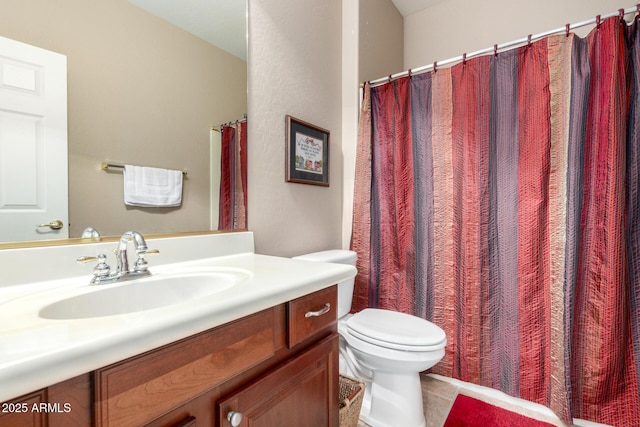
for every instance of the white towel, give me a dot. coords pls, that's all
(152, 187)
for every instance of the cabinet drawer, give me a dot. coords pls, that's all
(138, 390)
(312, 313)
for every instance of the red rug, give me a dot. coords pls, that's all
(470, 412)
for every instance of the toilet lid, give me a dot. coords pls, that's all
(396, 330)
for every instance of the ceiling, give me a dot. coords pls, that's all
(223, 23)
(407, 7)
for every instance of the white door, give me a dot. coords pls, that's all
(33, 143)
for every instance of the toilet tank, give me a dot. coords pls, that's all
(345, 288)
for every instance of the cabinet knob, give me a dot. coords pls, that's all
(234, 418)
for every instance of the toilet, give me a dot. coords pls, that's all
(385, 349)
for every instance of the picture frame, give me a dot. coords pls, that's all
(307, 153)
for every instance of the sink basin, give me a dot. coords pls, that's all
(156, 291)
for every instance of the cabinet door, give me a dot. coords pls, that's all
(20, 412)
(302, 392)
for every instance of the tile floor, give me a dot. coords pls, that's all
(438, 397)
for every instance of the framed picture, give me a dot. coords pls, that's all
(307, 153)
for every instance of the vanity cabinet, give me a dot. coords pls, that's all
(277, 367)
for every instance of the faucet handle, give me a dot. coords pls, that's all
(101, 271)
(141, 263)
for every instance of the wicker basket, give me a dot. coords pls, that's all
(351, 395)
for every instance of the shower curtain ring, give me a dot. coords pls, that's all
(495, 50)
(568, 29)
(598, 22)
(529, 40)
(435, 67)
(464, 58)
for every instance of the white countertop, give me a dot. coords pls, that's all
(36, 352)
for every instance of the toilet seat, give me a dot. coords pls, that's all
(397, 331)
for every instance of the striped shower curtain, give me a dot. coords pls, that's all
(232, 213)
(499, 199)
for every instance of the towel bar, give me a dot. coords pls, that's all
(105, 166)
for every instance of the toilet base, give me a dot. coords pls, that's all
(393, 400)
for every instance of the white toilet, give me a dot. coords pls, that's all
(387, 350)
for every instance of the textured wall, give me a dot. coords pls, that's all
(295, 69)
(372, 47)
(381, 39)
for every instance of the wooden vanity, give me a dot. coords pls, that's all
(277, 367)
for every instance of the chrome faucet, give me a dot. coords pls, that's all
(102, 272)
(122, 258)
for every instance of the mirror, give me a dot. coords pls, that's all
(140, 91)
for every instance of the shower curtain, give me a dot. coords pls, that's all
(499, 199)
(233, 177)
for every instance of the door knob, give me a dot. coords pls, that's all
(56, 224)
(234, 418)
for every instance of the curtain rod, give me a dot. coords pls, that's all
(217, 129)
(497, 47)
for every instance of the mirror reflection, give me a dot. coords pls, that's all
(140, 91)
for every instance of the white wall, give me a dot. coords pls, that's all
(450, 28)
(381, 39)
(350, 109)
(372, 46)
(295, 68)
